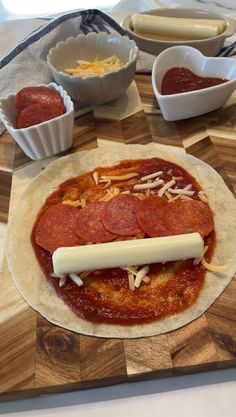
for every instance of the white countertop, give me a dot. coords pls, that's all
(199, 395)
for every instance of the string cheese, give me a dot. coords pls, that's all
(178, 28)
(127, 252)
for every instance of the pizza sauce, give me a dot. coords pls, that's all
(112, 204)
(181, 80)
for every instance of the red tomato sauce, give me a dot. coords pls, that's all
(181, 80)
(105, 296)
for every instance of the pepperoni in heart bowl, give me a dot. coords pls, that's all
(187, 84)
(40, 119)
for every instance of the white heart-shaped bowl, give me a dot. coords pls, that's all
(193, 103)
(94, 89)
(44, 139)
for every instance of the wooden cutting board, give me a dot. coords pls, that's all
(38, 357)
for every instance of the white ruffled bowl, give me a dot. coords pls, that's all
(47, 138)
(94, 89)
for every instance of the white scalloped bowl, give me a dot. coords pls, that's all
(44, 139)
(193, 103)
(94, 89)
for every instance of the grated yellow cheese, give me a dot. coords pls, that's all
(213, 268)
(95, 67)
(75, 203)
(203, 197)
(110, 193)
(207, 265)
(105, 178)
(131, 281)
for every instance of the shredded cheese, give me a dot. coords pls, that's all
(168, 195)
(202, 197)
(118, 177)
(166, 187)
(125, 192)
(198, 260)
(57, 275)
(151, 176)
(146, 279)
(95, 67)
(76, 279)
(131, 281)
(62, 281)
(75, 203)
(148, 185)
(174, 198)
(140, 275)
(139, 195)
(207, 265)
(177, 178)
(95, 177)
(184, 197)
(213, 268)
(108, 184)
(132, 269)
(110, 193)
(182, 191)
(188, 187)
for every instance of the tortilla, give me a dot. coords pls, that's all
(30, 280)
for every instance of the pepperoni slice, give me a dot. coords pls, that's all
(28, 96)
(157, 218)
(119, 215)
(152, 216)
(190, 216)
(35, 114)
(56, 227)
(89, 225)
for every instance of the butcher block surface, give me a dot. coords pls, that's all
(38, 357)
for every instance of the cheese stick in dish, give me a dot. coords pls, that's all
(176, 28)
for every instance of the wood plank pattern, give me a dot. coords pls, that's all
(37, 356)
(57, 355)
(102, 360)
(17, 358)
(150, 354)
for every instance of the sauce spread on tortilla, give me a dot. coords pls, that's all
(105, 296)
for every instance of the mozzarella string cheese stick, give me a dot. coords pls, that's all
(180, 28)
(127, 252)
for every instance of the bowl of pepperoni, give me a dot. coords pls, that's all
(40, 119)
(187, 83)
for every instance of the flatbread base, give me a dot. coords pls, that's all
(37, 291)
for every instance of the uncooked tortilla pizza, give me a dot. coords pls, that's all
(132, 199)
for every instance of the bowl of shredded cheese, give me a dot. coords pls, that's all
(95, 68)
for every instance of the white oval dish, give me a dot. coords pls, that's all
(193, 103)
(208, 46)
(45, 139)
(94, 89)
